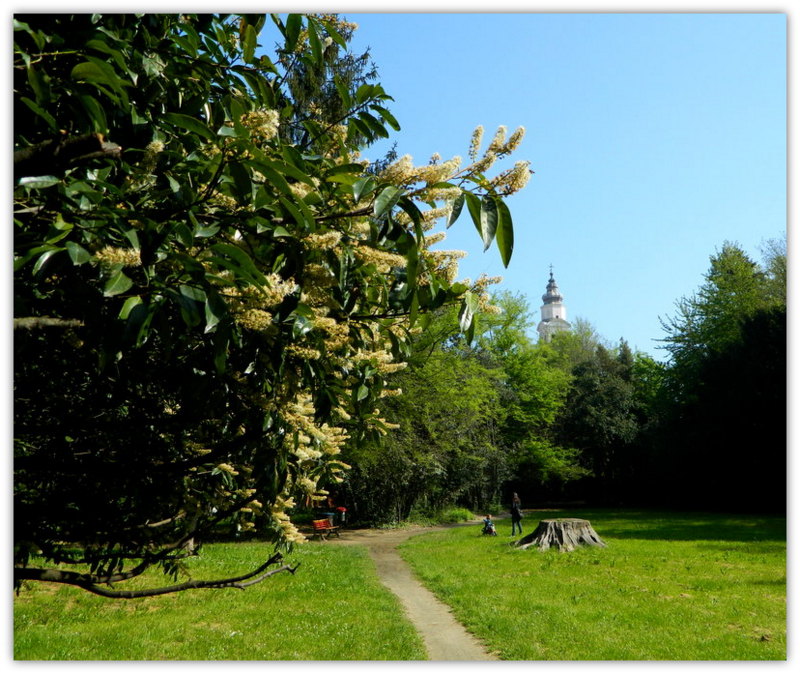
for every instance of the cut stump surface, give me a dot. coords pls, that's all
(563, 534)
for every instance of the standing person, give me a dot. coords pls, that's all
(516, 514)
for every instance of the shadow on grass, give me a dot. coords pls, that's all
(674, 525)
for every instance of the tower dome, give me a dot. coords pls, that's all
(552, 293)
(554, 313)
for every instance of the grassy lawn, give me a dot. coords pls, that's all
(669, 586)
(333, 608)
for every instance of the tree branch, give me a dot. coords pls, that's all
(92, 583)
(33, 322)
(57, 154)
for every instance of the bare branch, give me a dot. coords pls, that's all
(34, 322)
(54, 155)
(94, 584)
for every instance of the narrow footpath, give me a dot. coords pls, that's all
(444, 637)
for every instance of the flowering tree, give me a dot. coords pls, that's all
(211, 283)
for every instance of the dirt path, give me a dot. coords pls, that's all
(445, 638)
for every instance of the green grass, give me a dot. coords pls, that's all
(333, 608)
(669, 586)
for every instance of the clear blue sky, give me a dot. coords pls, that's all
(655, 138)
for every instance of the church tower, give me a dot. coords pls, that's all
(554, 313)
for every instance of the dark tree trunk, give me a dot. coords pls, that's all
(564, 534)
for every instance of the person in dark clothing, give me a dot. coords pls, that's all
(516, 514)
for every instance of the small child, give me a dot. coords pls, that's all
(488, 526)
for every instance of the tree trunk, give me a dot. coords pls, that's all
(564, 534)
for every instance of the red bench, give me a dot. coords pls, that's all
(323, 529)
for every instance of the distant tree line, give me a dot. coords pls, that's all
(579, 419)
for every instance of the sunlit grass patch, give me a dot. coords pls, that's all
(669, 586)
(333, 608)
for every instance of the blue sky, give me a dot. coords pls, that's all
(654, 139)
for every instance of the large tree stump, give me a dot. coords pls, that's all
(564, 534)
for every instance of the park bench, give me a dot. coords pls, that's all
(323, 529)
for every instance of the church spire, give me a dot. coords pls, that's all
(554, 313)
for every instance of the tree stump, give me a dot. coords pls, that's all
(565, 534)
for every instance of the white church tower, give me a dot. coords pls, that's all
(554, 313)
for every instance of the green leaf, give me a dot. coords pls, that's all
(39, 182)
(296, 214)
(44, 257)
(273, 176)
(302, 325)
(390, 120)
(189, 124)
(313, 40)
(249, 43)
(470, 334)
(294, 22)
(334, 34)
(474, 206)
(205, 231)
(363, 186)
(95, 112)
(468, 306)
(414, 213)
(414, 310)
(133, 236)
(344, 168)
(101, 46)
(183, 234)
(77, 253)
(488, 220)
(284, 168)
(140, 315)
(174, 185)
(242, 180)
(458, 204)
(97, 72)
(388, 197)
(505, 232)
(374, 125)
(46, 116)
(216, 310)
(362, 392)
(412, 269)
(130, 303)
(117, 284)
(243, 261)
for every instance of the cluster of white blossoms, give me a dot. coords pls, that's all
(251, 303)
(254, 319)
(151, 153)
(279, 517)
(403, 173)
(227, 468)
(480, 289)
(512, 180)
(381, 359)
(303, 352)
(263, 124)
(108, 256)
(442, 263)
(325, 241)
(509, 181)
(433, 185)
(383, 260)
(316, 440)
(337, 333)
